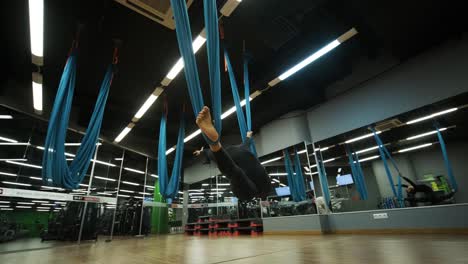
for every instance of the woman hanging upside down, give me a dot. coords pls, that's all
(248, 177)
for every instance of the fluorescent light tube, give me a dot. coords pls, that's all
(37, 96)
(368, 158)
(4, 202)
(271, 160)
(278, 174)
(130, 183)
(415, 147)
(36, 178)
(154, 175)
(366, 150)
(25, 207)
(275, 180)
(432, 116)
(25, 203)
(123, 195)
(8, 140)
(24, 164)
(104, 163)
(169, 151)
(175, 70)
(126, 191)
(36, 27)
(36, 201)
(205, 184)
(426, 134)
(6, 209)
(6, 117)
(104, 178)
(8, 174)
(104, 193)
(16, 183)
(362, 137)
(52, 188)
(14, 144)
(122, 134)
(148, 103)
(134, 170)
(193, 135)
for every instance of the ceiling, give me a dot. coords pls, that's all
(279, 36)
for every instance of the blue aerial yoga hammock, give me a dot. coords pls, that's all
(55, 169)
(295, 176)
(244, 125)
(357, 173)
(448, 165)
(184, 38)
(384, 154)
(169, 188)
(323, 178)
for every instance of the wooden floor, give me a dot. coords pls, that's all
(380, 249)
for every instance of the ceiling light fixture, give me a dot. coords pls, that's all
(8, 174)
(37, 91)
(368, 158)
(16, 183)
(271, 160)
(313, 57)
(325, 161)
(24, 164)
(426, 134)
(148, 103)
(366, 150)
(177, 68)
(126, 191)
(415, 147)
(24, 207)
(6, 117)
(36, 28)
(130, 183)
(134, 170)
(104, 178)
(14, 144)
(124, 132)
(154, 175)
(432, 116)
(361, 137)
(8, 140)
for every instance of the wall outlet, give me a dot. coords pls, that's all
(380, 216)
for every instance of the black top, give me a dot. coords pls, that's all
(251, 167)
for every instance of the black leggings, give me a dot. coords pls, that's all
(230, 169)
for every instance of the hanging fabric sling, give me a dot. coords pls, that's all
(299, 176)
(295, 178)
(184, 38)
(448, 166)
(244, 125)
(323, 178)
(384, 154)
(55, 169)
(357, 173)
(169, 187)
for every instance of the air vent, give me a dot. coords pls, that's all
(388, 124)
(157, 10)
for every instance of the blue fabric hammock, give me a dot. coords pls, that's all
(244, 125)
(295, 176)
(55, 169)
(384, 154)
(357, 173)
(169, 188)
(184, 38)
(448, 165)
(323, 178)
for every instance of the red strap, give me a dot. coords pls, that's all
(115, 56)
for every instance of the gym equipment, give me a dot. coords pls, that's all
(169, 188)
(55, 168)
(66, 225)
(184, 38)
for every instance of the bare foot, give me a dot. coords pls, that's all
(204, 122)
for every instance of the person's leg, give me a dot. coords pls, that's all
(225, 164)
